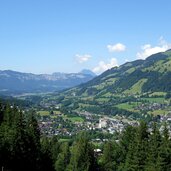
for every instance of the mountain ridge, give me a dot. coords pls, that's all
(152, 74)
(13, 82)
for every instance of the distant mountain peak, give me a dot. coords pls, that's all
(88, 72)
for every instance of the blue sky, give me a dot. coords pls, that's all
(46, 36)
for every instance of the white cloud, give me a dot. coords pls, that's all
(148, 50)
(82, 58)
(102, 66)
(119, 47)
(126, 60)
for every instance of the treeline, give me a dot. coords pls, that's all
(23, 148)
(19, 139)
(139, 149)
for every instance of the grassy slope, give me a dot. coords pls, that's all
(136, 88)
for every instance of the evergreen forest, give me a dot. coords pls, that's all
(22, 147)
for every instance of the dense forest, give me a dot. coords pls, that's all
(22, 147)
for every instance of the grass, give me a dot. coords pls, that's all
(158, 112)
(57, 112)
(108, 76)
(154, 100)
(43, 112)
(127, 106)
(64, 140)
(128, 64)
(108, 94)
(106, 83)
(131, 70)
(47, 113)
(136, 88)
(76, 119)
(158, 94)
(102, 99)
(53, 117)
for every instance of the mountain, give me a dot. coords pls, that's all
(139, 89)
(88, 72)
(12, 82)
(150, 75)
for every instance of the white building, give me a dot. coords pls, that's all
(102, 123)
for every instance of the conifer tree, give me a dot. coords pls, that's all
(63, 157)
(137, 152)
(127, 138)
(55, 145)
(82, 155)
(33, 142)
(46, 162)
(111, 155)
(154, 160)
(19, 146)
(165, 151)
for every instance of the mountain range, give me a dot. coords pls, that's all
(12, 82)
(140, 76)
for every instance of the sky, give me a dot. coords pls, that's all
(46, 36)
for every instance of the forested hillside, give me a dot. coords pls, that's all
(150, 75)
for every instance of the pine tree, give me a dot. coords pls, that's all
(19, 146)
(137, 151)
(46, 162)
(131, 160)
(82, 155)
(63, 157)
(126, 140)
(33, 142)
(55, 145)
(6, 144)
(165, 151)
(154, 160)
(111, 154)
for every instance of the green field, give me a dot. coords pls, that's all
(106, 83)
(47, 113)
(85, 105)
(158, 94)
(102, 99)
(136, 88)
(108, 94)
(57, 112)
(43, 112)
(64, 140)
(129, 71)
(74, 119)
(155, 100)
(158, 112)
(127, 106)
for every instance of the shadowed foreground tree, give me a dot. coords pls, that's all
(63, 157)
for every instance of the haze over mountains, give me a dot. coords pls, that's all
(12, 82)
